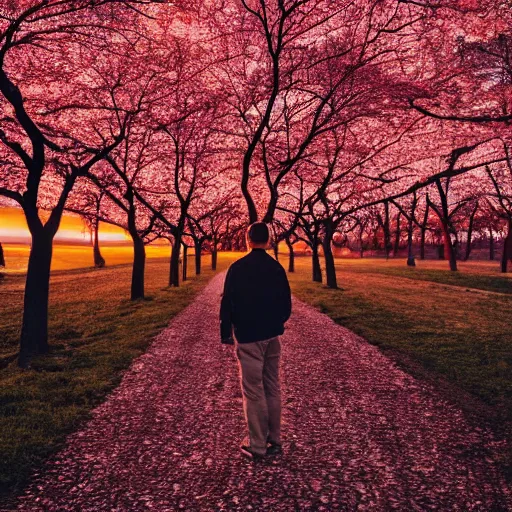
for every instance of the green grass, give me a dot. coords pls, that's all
(455, 325)
(95, 332)
(473, 275)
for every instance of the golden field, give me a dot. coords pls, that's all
(67, 257)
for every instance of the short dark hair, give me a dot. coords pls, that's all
(258, 233)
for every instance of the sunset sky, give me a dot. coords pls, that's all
(13, 229)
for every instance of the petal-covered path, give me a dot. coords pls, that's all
(358, 433)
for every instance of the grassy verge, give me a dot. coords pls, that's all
(95, 332)
(473, 275)
(428, 315)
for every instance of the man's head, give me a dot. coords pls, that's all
(258, 235)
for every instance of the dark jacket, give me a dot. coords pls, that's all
(257, 300)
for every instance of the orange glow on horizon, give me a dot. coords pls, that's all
(14, 229)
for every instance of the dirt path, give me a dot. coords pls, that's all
(359, 434)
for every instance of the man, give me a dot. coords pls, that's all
(255, 304)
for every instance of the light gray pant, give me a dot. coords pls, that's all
(259, 372)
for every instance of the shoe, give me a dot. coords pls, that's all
(246, 450)
(274, 448)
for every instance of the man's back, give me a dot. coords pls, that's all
(256, 299)
(256, 303)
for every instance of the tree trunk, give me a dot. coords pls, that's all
(397, 235)
(317, 271)
(422, 242)
(456, 247)
(185, 262)
(2, 257)
(387, 231)
(276, 251)
(507, 248)
(410, 254)
(271, 209)
(99, 261)
(424, 231)
(139, 263)
(375, 241)
(34, 330)
(291, 261)
(174, 269)
(448, 248)
(214, 257)
(491, 245)
(444, 216)
(197, 256)
(251, 207)
(330, 269)
(468, 244)
(470, 232)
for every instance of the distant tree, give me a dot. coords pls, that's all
(285, 228)
(219, 228)
(409, 212)
(470, 227)
(87, 204)
(199, 236)
(423, 227)
(191, 133)
(501, 203)
(383, 218)
(118, 179)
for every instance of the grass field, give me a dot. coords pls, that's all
(456, 325)
(95, 332)
(66, 257)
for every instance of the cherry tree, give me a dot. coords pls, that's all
(87, 203)
(408, 210)
(285, 227)
(470, 213)
(466, 71)
(199, 236)
(57, 122)
(490, 223)
(303, 68)
(220, 224)
(500, 202)
(119, 178)
(191, 133)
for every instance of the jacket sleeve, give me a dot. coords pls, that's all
(226, 325)
(286, 296)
